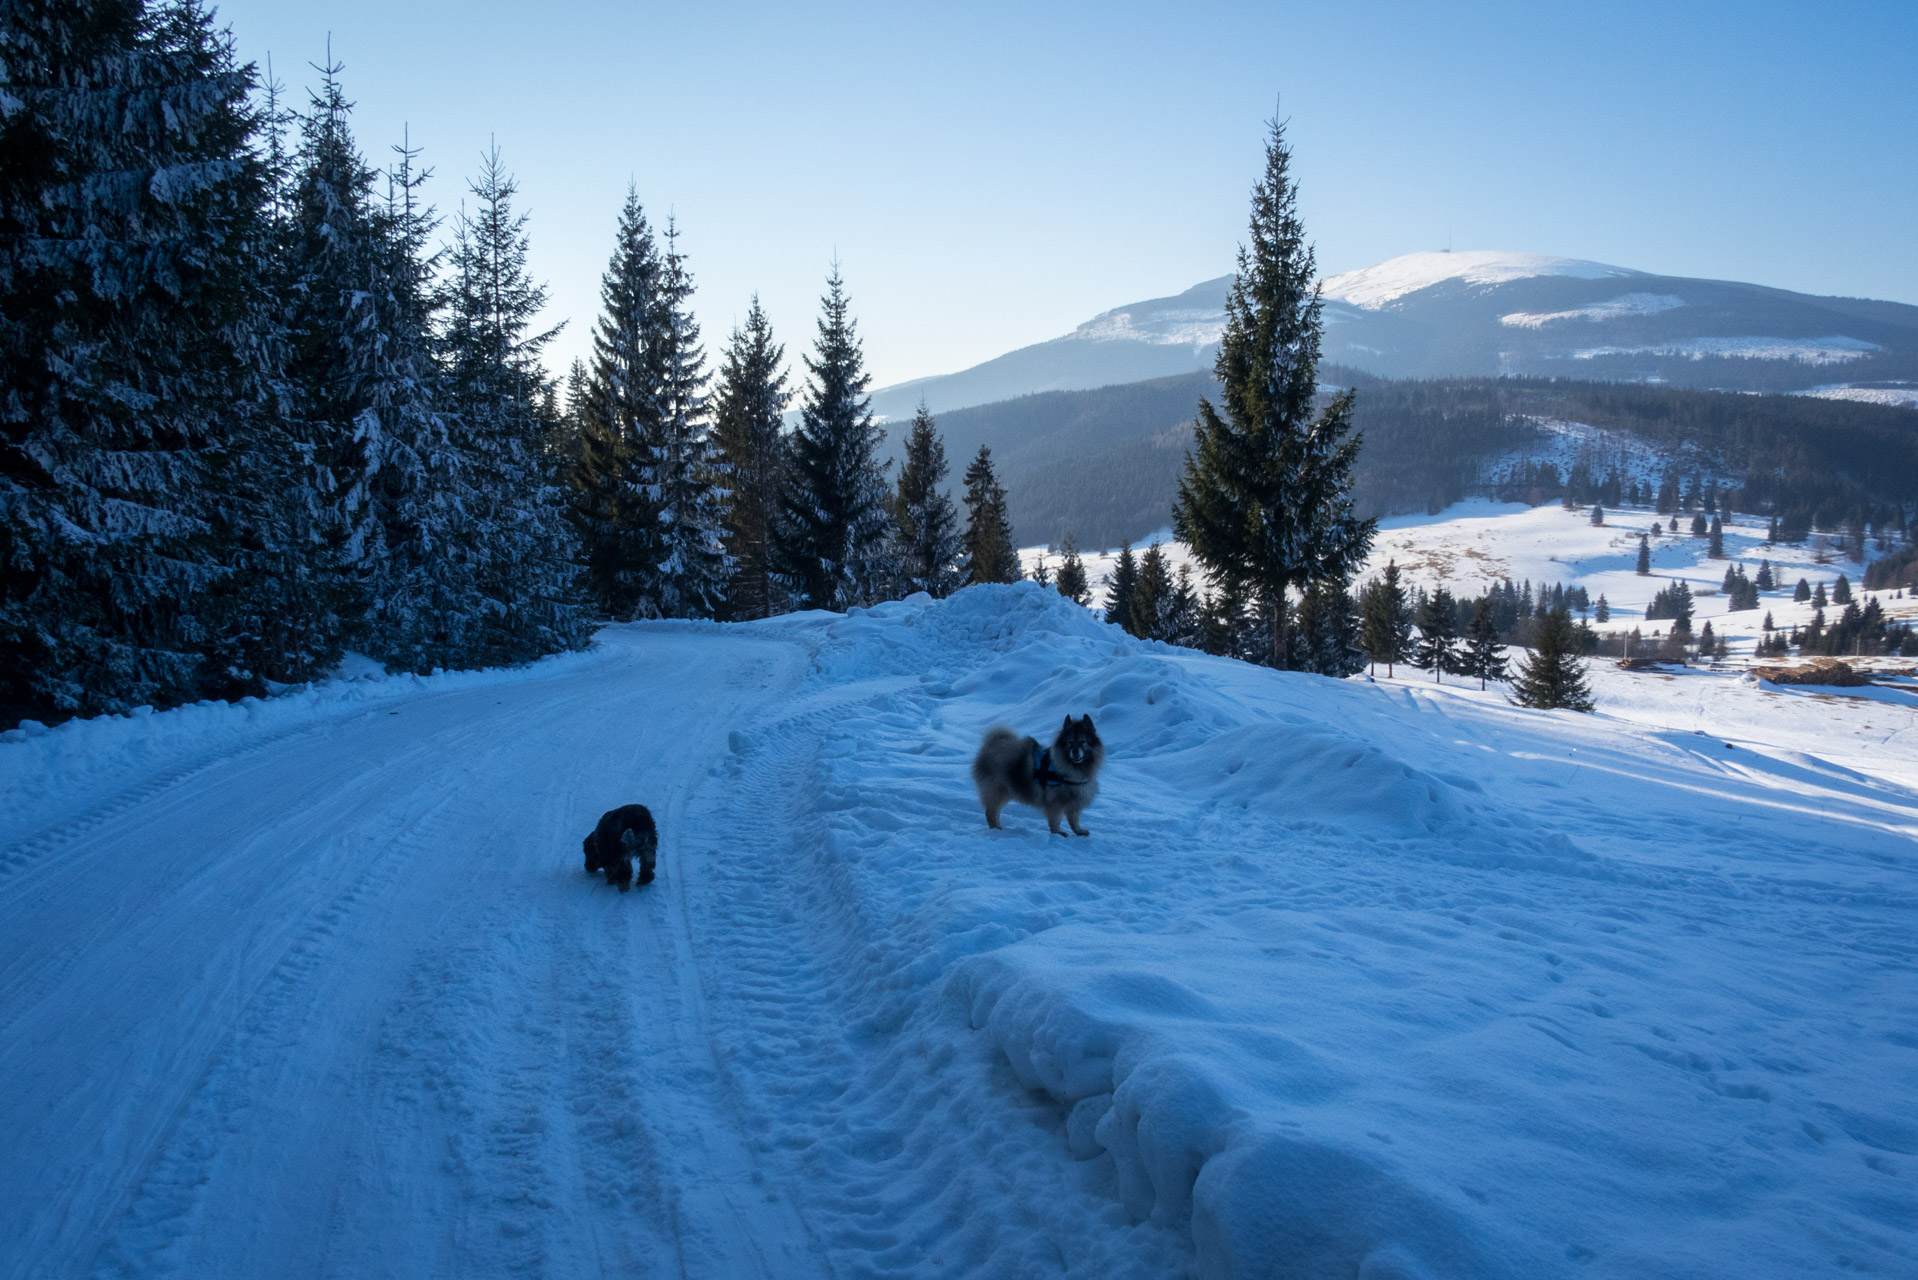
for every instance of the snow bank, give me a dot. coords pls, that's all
(44, 772)
(1372, 980)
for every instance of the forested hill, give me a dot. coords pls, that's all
(1103, 465)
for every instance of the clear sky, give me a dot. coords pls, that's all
(992, 175)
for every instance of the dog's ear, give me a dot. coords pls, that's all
(1066, 725)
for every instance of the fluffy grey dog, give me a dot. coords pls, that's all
(1060, 780)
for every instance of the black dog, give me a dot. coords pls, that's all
(623, 834)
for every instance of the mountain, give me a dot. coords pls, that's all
(1438, 315)
(1152, 339)
(1434, 315)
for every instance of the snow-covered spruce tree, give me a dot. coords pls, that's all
(1438, 634)
(131, 319)
(1266, 499)
(931, 557)
(278, 613)
(612, 510)
(521, 545)
(1071, 581)
(1644, 567)
(749, 403)
(1119, 584)
(360, 371)
(832, 547)
(1150, 614)
(990, 553)
(686, 476)
(1385, 619)
(562, 441)
(1484, 656)
(1328, 631)
(1553, 675)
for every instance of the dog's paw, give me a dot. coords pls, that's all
(1083, 831)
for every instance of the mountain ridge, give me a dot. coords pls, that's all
(1486, 313)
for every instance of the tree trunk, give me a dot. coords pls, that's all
(1281, 651)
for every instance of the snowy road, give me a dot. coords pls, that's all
(343, 1003)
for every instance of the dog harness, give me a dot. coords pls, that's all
(1042, 769)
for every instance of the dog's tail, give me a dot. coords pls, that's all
(1001, 745)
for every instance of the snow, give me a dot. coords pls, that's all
(1906, 397)
(1375, 979)
(1631, 304)
(1835, 349)
(1171, 326)
(1373, 287)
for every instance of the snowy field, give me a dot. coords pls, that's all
(1472, 545)
(1387, 979)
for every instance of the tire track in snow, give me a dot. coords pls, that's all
(922, 1153)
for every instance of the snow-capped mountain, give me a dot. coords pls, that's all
(1476, 313)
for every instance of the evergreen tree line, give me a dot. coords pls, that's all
(256, 411)
(263, 404)
(1436, 632)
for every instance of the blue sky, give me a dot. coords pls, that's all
(992, 175)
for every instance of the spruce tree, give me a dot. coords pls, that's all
(1644, 567)
(1802, 592)
(685, 474)
(612, 509)
(831, 549)
(1841, 590)
(990, 554)
(1226, 628)
(132, 324)
(1041, 571)
(522, 545)
(749, 404)
(1598, 514)
(931, 557)
(1151, 608)
(362, 379)
(1071, 582)
(1184, 624)
(1603, 611)
(1717, 546)
(1553, 675)
(1484, 656)
(1385, 627)
(1119, 585)
(1266, 499)
(1328, 631)
(1438, 633)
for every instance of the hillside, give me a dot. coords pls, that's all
(315, 985)
(1104, 465)
(1473, 314)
